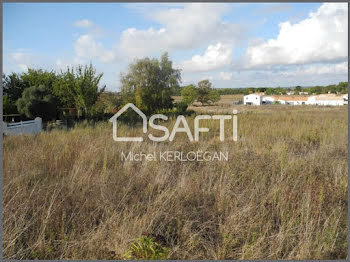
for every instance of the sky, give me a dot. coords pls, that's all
(232, 44)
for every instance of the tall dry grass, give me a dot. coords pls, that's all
(281, 195)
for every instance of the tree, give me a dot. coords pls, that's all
(204, 87)
(298, 89)
(79, 88)
(63, 88)
(108, 101)
(342, 87)
(270, 91)
(261, 89)
(206, 94)
(189, 94)
(214, 96)
(176, 91)
(181, 107)
(13, 87)
(149, 82)
(8, 106)
(37, 101)
(317, 90)
(37, 77)
(171, 77)
(105, 105)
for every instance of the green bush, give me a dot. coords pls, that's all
(181, 107)
(37, 101)
(145, 248)
(189, 94)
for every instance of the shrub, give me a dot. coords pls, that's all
(146, 248)
(189, 94)
(181, 107)
(37, 101)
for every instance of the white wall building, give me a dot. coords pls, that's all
(327, 100)
(346, 97)
(268, 99)
(296, 101)
(285, 100)
(323, 99)
(253, 99)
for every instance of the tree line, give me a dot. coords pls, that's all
(78, 93)
(148, 83)
(48, 94)
(203, 93)
(340, 88)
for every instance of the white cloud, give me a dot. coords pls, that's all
(207, 77)
(322, 37)
(194, 25)
(62, 63)
(23, 67)
(84, 23)
(308, 52)
(304, 75)
(215, 57)
(20, 57)
(86, 46)
(19, 60)
(225, 76)
(334, 69)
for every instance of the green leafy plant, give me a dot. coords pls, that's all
(181, 107)
(145, 248)
(189, 94)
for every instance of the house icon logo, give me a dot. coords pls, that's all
(180, 126)
(114, 120)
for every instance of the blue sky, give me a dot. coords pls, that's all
(234, 45)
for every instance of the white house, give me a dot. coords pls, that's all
(346, 97)
(253, 99)
(268, 99)
(327, 100)
(324, 99)
(296, 100)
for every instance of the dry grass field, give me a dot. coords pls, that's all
(281, 195)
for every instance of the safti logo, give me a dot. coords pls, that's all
(176, 129)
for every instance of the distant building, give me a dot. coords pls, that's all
(253, 99)
(327, 100)
(290, 100)
(285, 100)
(303, 93)
(268, 99)
(289, 93)
(324, 100)
(346, 99)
